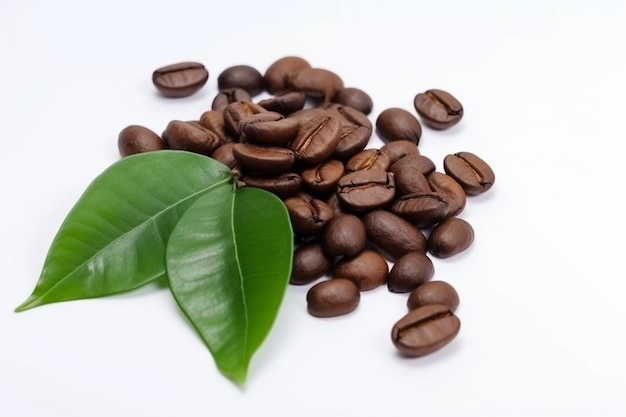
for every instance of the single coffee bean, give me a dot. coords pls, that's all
(398, 124)
(422, 209)
(450, 237)
(309, 263)
(283, 186)
(316, 139)
(392, 234)
(241, 76)
(356, 98)
(137, 139)
(181, 79)
(317, 82)
(264, 160)
(425, 330)
(399, 149)
(191, 137)
(434, 292)
(285, 103)
(409, 179)
(356, 131)
(237, 111)
(445, 184)
(368, 159)
(309, 216)
(225, 155)
(333, 297)
(279, 74)
(366, 190)
(423, 163)
(322, 178)
(438, 109)
(368, 269)
(214, 121)
(265, 116)
(305, 115)
(271, 133)
(470, 171)
(344, 236)
(409, 271)
(229, 96)
(349, 116)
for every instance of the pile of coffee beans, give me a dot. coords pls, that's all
(354, 210)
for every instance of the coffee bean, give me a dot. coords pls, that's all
(285, 103)
(344, 236)
(392, 234)
(333, 201)
(445, 184)
(366, 190)
(409, 271)
(470, 171)
(229, 96)
(334, 297)
(434, 292)
(309, 263)
(225, 155)
(422, 209)
(279, 74)
(264, 160)
(305, 115)
(450, 237)
(191, 137)
(423, 164)
(368, 269)
(270, 133)
(322, 178)
(137, 139)
(181, 79)
(368, 159)
(409, 179)
(438, 109)
(214, 121)
(398, 124)
(308, 215)
(316, 139)
(399, 149)
(425, 330)
(356, 98)
(283, 186)
(317, 82)
(356, 131)
(237, 111)
(241, 76)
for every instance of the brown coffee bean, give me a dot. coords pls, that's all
(191, 137)
(224, 154)
(334, 297)
(241, 76)
(214, 121)
(265, 116)
(137, 139)
(368, 269)
(305, 115)
(470, 171)
(368, 159)
(344, 236)
(398, 124)
(264, 160)
(399, 149)
(425, 330)
(285, 103)
(356, 98)
(322, 178)
(356, 131)
(309, 216)
(279, 74)
(409, 179)
(409, 271)
(237, 111)
(271, 133)
(335, 205)
(450, 237)
(309, 263)
(366, 190)
(445, 184)
(283, 186)
(422, 209)
(316, 139)
(423, 163)
(317, 82)
(438, 109)
(229, 96)
(181, 79)
(434, 292)
(392, 234)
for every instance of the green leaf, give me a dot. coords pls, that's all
(113, 240)
(228, 263)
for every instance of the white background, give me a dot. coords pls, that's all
(542, 289)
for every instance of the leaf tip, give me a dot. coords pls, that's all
(31, 302)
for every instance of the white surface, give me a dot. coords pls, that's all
(542, 288)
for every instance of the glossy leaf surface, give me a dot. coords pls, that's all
(114, 238)
(228, 264)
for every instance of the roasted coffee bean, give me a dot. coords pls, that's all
(438, 109)
(285, 103)
(335, 205)
(470, 171)
(368, 269)
(423, 163)
(265, 116)
(316, 139)
(399, 149)
(317, 82)
(309, 216)
(283, 186)
(279, 74)
(305, 115)
(445, 184)
(422, 209)
(309, 263)
(229, 96)
(409, 271)
(333, 297)
(237, 111)
(277, 132)
(434, 292)
(392, 234)
(366, 190)
(191, 137)
(425, 330)
(409, 179)
(356, 98)
(214, 121)
(368, 159)
(398, 124)
(344, 236)
(264, 160)
(356, 131)
(322, 178)
(181, 79)
(241, 76)
(137, 139)
(452, 236)
(225, 155)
